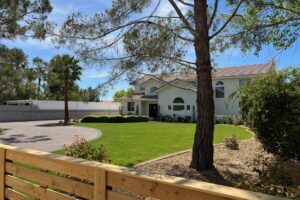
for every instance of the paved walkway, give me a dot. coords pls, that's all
(43, 135)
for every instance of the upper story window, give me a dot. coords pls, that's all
(153, 89)
(220, 89)
(242, 81)
(130, 106)
(178, 104)
(178, 100)
(142, 89)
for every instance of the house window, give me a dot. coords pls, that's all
(188, 107)
(178, 100)
(142, 89)
(178, 104)
(178, 107)
(220, 89)
(130, 106)
(169, 107)
(153, 89)
(242, 81)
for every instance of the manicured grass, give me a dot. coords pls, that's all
(131, 143)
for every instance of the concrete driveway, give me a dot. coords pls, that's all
(43, 135)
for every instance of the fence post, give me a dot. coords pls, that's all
(100, 184)
(2, 173)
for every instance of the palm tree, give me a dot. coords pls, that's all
(68, 70)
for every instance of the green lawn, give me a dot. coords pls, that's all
(131, 143)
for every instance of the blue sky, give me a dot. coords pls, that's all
(92, 77)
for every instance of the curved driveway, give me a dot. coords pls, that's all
(43, 135)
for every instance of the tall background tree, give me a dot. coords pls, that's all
(65, 70)
(134, 38)
(122, 93)
(40, 72)
(17, 79)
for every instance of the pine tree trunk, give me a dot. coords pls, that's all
(202, 158)
(67, 118)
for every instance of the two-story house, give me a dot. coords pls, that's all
(175, 94)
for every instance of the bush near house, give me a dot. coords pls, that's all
(229, 119)
(219, 119)
(113, 118)
(271, 105)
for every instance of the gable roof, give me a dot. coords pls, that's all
(237, 71)
(173, 83)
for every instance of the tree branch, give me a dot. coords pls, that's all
(181, 16)
(186, 3)
(228, 20)
(213, 14)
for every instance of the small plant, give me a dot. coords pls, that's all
(180, 119)
(231, 143)
(82, 149)
(187, 119)
(1, 130)
(76, 120)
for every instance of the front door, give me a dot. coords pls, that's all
(153, 110)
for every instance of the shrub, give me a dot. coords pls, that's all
(271, 106)
(187, 119)
(231, 143)
(113, 119)
(228, 119)
(180, 119)
(82, 149)
(90, 118)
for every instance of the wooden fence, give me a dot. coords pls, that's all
(29, 174)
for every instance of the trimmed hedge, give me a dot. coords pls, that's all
(228, 119)
(114, 118)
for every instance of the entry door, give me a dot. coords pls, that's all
(153, 110)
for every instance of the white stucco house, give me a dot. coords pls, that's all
(175, 94)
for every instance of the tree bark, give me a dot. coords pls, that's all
(66, 99)
(202, 158)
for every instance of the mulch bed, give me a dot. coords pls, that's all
(231, 166)
(235, 168)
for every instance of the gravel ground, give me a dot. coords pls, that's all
(231, 166)
(43, 135)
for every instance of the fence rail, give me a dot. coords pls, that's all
(26, 174)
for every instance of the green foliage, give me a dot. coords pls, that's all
(271, 106)
(17, 79)
(113, 119)
(82, 149)
(1, 130)
(263, 22)
(123, 93)
(24, 18)
(63, 70)
(89, 94)
(228, 119)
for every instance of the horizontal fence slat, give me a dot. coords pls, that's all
(126, 180)
(34, 190)
(14, 195)
(51, 163)
(156, 189)
(62, 183)
(112, 195)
